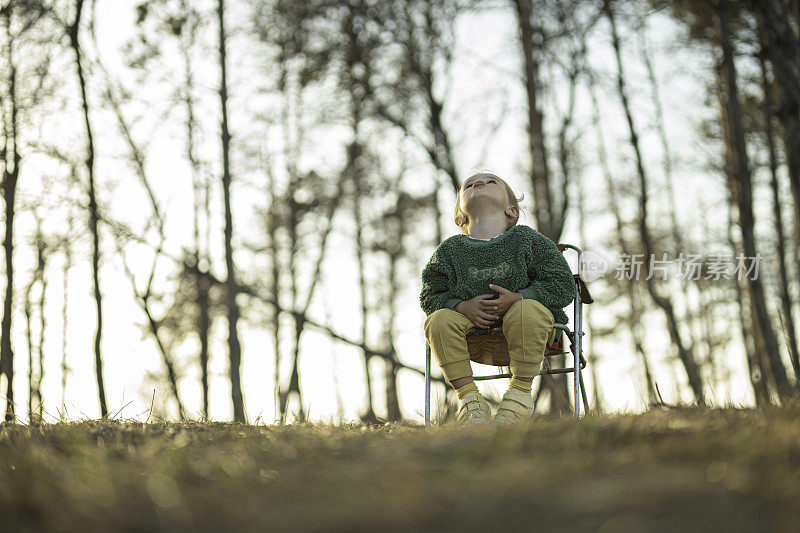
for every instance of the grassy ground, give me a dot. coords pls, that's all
(684, 470)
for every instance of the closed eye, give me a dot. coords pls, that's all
(490, 180)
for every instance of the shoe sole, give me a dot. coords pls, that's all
(475, 421)
(506, 421)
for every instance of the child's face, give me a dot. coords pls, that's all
(486, 189)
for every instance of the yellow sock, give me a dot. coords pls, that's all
(469, 387)
(521, 384)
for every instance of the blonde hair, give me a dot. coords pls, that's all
(462, 219)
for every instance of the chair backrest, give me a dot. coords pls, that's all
(583, 290)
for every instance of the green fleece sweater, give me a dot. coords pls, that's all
(521, 259)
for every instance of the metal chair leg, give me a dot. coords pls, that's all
(583, 395)
(578, 336)
(427, 385)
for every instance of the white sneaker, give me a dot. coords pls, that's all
(515, 407)
(474, 409)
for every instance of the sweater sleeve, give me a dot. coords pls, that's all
(552, 282)
(438, 277)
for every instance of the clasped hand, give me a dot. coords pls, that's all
(484, 310)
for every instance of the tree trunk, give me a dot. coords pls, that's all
(441, 152)
(713, 297)
(234, 348)
(203, 331)
(739, 180)
(549, 218)
(752, 347)
(782, 47)
(272, 230)
(538, 166)
(591, 358)
(634, 322)
(297, 210)
(667, 164)
(7, 367)
(67, 245)
(291, 156)
(783, 288)
(28, 311)
(41, 249)
(11, 163)
(74, 34)
(662, 135)
(369, 416)
(201, 259)
(393, 413)
(353, 173)
(294, 377)
(300, 316)
(685, 354)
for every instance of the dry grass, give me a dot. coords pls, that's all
(682, 470)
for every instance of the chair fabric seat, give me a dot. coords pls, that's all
(489, 347)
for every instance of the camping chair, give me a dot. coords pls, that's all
(489, 347)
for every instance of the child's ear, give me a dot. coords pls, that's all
(511, 211)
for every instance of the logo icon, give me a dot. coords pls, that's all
(594, 265)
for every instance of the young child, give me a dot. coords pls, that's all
(497, 273)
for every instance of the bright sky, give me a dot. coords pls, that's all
(481, 91)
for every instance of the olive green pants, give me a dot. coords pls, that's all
(527, 327)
